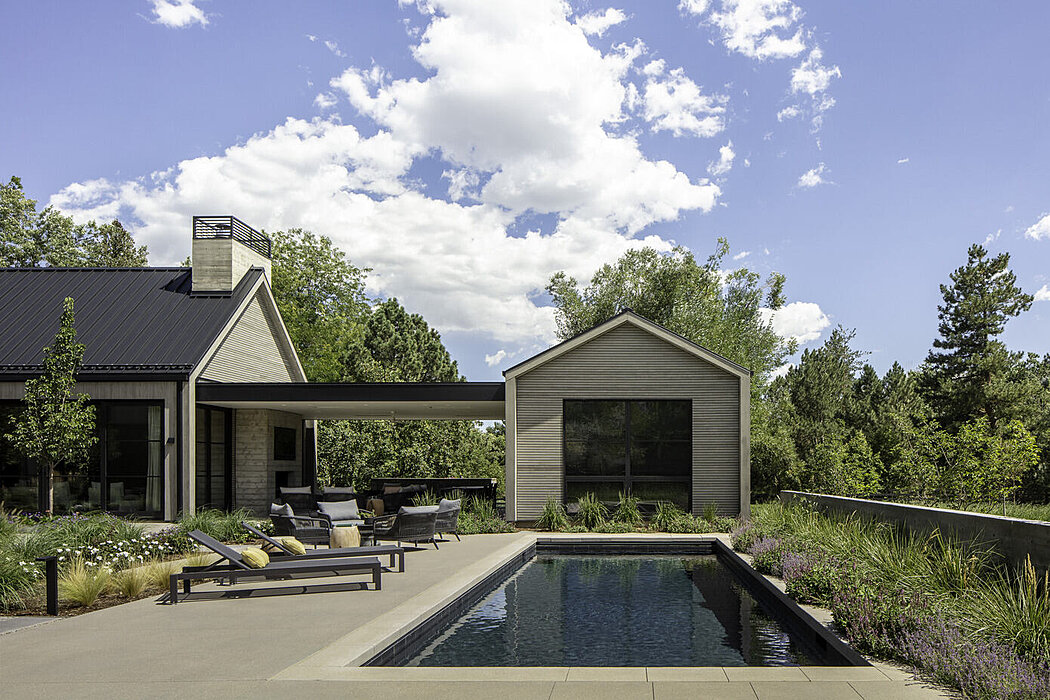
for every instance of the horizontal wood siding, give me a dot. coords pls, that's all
(628, 363)
(250, 352)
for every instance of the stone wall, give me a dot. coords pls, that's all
(254, 466)
(1015, 539)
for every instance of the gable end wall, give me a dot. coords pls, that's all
(627, 363)
(250, 352)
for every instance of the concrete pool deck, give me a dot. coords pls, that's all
(266, 643)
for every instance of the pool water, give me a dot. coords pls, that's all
(561, 610)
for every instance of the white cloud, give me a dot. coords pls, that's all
(724, 163)
(334, 48)
(813, 177)
(325, 100)
(1043, 294)
(495, 359)
(992, 237)
(1040, 229)
(788, 113)
(178, 13)
(812, 76)
(781, 370)
(761, 29)
(741, 255)
(676, 104)
(800, 320)
(902, 161)
(493, 112)
(597, 23)
(695, 7)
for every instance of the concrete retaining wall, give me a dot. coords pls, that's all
(1015, 539)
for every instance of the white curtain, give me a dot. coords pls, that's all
(154, 475)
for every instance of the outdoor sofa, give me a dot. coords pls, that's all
(281, 553)
(232, 567)
(411, 524)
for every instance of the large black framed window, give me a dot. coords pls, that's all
(214, 456)
(642, 447)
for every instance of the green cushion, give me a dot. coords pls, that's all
(255, 557)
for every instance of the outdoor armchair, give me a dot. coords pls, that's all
(448, 517)
(307, 529)
(411, 524)
(281, 552)
(232, 567)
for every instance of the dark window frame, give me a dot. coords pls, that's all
(227, 442)
(627, 479)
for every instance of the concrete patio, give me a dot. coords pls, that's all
(269, 643)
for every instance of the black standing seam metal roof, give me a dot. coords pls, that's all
(138, 321)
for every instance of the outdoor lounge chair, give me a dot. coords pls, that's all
(232, 567)
(307, 529)
(448, 517)
(411, 524)
(283, 553)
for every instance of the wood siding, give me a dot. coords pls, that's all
(627, 363)
(250, 352)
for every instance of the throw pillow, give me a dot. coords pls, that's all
(255, 557)
(339, 510)
(292, 545)
(281, 510)
(446, 505)
(417, 510)
(391, 488)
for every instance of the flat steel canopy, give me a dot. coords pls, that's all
(390, 401)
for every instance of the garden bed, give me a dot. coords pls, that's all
(947, 608)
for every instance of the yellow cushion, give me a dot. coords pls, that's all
(293, 545)
(255, 557)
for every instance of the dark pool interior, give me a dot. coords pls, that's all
(561, 610)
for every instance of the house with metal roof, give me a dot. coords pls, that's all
(202, 402)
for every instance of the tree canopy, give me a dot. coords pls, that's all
(29, 238)
(725, 311)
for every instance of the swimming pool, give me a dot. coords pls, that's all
(621, 610)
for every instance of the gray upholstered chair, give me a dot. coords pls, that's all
(411, 524)
(448, 517)
(340, 513)
(306, 529)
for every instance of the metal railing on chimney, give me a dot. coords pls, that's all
(231, 227)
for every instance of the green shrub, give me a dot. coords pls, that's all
(427, 498)
(474, 523)
(592, 512)
(724, 524)
(709, 512)
(223, 526)
(82, 584)
(666, 517)
(613, 526)
(553, 516)
(627, 511)
(18, 576)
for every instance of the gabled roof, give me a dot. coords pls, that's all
(626, 316)
(132, 321)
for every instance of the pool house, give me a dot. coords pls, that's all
(202, 402)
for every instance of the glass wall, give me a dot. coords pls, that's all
(213, 475)
(641, 447)
(18, 476)
(124, 472)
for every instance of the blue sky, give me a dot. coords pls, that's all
(467, 150)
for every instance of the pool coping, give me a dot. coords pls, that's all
(345, 658)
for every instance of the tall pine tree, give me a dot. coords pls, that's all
(967, 365)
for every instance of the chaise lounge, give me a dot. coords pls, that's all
(284, 554)
(237, 568)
